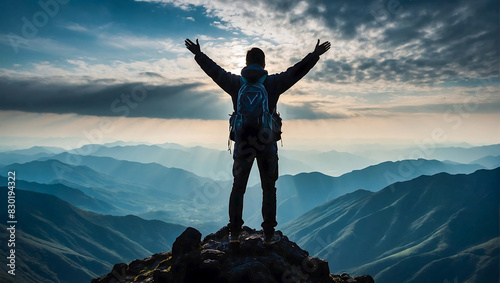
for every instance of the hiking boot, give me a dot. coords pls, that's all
(271, 239)
(234, 237)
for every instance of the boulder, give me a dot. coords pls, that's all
(216, 260)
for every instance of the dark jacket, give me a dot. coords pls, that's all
(275, 84)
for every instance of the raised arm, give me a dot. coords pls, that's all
(320, 49)
(194, 48)
(292, 75)
(230, 83)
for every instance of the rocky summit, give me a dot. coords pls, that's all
(216, 260)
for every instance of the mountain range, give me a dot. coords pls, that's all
(429, 229)
(388, 220)
(430, 150)
(216, 164)
(126, 187)
(71, 195)
(57, 242)
(175, 195)
(300, 193)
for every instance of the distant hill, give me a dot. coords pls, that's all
(178, 196)
(198, 160)
(71, 195)
(489, 161)
(333, 163)
(204, 162)
(216, 164)
(38, 149)
(430, 150)
(9, 158)
(151, 175)
(57, 242)
(300, 193)
(53, 171)
(26, 155)
(131, 187)
(429, 229)
(112, 189)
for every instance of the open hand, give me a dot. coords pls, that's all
(320, 49)
(193, 47)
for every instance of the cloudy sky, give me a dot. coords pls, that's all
(399, 71)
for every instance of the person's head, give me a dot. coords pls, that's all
(256, 56)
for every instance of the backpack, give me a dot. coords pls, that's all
(252, 111)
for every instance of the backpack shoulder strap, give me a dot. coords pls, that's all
(262, 79)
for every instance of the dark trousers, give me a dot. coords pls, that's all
(267, 161)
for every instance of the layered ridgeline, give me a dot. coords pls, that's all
(119, 187)
(153, 191)
(216, 164)
(441, 228)
(108, 185)
(57, 242)
(300, 193)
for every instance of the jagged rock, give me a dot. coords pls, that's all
(188, 241)
(216, 260)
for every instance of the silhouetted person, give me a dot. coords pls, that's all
(250, 144)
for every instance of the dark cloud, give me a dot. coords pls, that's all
(130, 99)
(416, 71)
(424, 42)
